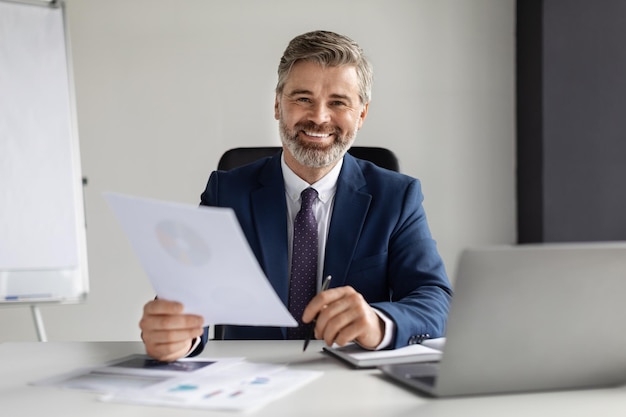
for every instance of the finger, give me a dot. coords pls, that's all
(170, 322)
(365, 327)
(171, 336)
(321, 300)
(168, 352)
(169, 344)
(153, 337)
(345, 335)
(344, 320)
(339, 302)
(161, 306)
(333, 320)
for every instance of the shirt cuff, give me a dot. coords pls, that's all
(390, 329)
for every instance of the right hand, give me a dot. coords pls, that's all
(166, 332)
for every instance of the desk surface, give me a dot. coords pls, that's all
(341, 391)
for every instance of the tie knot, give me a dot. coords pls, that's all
(308, 196)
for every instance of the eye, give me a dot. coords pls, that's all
(303, 100)
(337, 103)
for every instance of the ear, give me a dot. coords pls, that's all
(363, 114)
(276, 108)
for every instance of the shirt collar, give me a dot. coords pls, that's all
(325, 187)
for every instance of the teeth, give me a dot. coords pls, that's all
(318, 135)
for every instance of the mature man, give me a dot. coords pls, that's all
(366, 225)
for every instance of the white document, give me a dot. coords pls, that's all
(134, 372)
(200, 257)
(243, 386)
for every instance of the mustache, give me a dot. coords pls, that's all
(315, 128)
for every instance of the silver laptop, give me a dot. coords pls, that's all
(531, 318)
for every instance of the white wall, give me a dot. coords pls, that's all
(164, 87)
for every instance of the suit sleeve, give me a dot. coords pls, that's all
(419, 288)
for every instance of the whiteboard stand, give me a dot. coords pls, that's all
(35, 311)
(43, 247)
(39, 326)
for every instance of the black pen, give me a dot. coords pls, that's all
(325, 285)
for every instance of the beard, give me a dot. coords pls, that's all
(315, 155)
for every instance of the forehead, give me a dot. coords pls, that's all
(317, 79)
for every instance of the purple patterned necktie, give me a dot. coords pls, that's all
(302, 287)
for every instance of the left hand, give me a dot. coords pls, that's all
(344, 316)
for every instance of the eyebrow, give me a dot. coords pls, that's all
(296, 92)
(308, 92)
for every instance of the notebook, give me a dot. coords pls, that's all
(530, 318)
(356, 356)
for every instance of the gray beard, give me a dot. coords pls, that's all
(313, 156)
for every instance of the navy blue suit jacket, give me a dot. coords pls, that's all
(379, 242)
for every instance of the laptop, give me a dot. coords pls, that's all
(530, 318)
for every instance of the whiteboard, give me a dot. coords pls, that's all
(43, 254)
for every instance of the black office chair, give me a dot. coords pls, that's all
(241, 156)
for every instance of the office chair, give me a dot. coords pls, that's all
(236, 157)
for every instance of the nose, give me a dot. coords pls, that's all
(319, 113)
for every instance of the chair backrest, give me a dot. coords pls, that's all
(236, 157)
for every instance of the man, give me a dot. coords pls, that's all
(389, 287)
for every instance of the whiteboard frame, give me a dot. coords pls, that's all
(79, 275)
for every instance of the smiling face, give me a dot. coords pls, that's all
(319, 113)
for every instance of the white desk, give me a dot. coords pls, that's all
(341, 391)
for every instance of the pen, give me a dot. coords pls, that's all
(325, 285)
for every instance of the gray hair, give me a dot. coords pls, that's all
(327, 49)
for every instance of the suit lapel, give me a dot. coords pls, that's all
(269, 210)
(349, 211)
